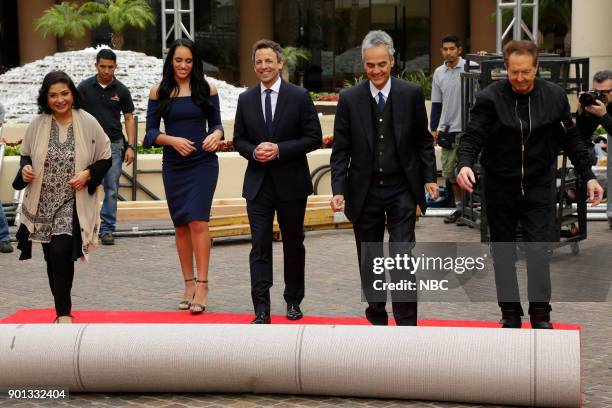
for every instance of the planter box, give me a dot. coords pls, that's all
(231, 175)
(16, 131)
(326, 107)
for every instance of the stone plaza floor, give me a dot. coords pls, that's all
(142, 273)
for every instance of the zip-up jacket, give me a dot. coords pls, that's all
(518, 154)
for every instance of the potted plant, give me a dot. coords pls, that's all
(291, 56)
(65, 20)
(119, 14)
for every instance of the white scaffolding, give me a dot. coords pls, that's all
(175, 11)
(517, 25)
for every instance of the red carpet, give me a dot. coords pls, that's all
(108, 316)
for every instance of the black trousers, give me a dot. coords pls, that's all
(534, 211)
(396, 203)
(60, 271)
(290, 216)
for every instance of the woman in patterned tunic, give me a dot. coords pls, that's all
(64, 157)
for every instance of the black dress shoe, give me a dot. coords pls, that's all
(294, 312)
(511, 319)
(261, 318)
(542, 325)
(511, 323)
(540, 318)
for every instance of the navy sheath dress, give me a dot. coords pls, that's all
(189, 181)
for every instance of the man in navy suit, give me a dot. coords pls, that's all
(276, 125)
(382, 162)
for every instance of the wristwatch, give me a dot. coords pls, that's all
(131, 146)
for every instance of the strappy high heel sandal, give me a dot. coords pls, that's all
(185, 304)
(197, 308)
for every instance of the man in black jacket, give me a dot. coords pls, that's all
(599, 113)
(382, 161)
(519, 124)
(276, 125)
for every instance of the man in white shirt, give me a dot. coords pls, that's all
(382, 162)
(276, 125)
(445, 121)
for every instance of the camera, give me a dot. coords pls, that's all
(588, 98)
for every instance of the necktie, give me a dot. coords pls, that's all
(381, 102)
(268, 105)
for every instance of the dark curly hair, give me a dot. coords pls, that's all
(200, 90)
(53, 78)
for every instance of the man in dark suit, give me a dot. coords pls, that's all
(382, 157)
(276, 125)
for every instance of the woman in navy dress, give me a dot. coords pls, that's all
(189, 106)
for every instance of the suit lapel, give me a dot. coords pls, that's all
(365, 112)
(280, 106)
(396, 104)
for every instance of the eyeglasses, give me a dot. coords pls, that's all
(605, 92)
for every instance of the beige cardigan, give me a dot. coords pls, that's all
(90, 144)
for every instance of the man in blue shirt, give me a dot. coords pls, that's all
(5, 245)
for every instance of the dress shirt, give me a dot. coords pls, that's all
(385, 91)
(273, 96)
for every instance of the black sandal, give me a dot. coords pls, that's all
(197, 308)
(185, 304)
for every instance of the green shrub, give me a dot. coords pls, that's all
(419, 78)
(600, 130)
(12, 151)
(355, 81)
(151, 150)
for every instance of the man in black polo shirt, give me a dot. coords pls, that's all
(105, 98)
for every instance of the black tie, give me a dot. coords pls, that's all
(381, 102)
(268, 109)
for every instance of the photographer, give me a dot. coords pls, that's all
(595, 107)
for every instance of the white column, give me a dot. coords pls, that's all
(591, 33)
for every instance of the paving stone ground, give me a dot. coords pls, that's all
(143, 274)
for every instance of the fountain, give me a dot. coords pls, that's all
(138, 71)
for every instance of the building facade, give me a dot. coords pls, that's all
(331, 30)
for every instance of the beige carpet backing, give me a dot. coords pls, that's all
(492, 366)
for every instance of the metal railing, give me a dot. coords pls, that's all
(132, 178)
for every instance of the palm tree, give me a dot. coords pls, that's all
(291, 57)
(119, 14)
(66, 20)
